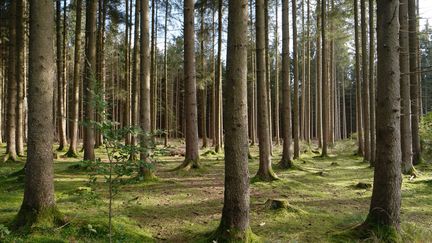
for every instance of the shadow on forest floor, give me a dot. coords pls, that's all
(183, 206)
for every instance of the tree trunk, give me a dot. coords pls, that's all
(359, 107)
(318, 86)
(135, 67)
(365, 87)
(20, 37)
(414, 68)
(203, 79)
(145, 171)
(386, 195)
(39, 203)
(265, 171)
(372, 84)
(11, 87)
(308, 79)
(234, 225)
(296, 83)
(406, 139)
(218, 83)
(286, 91)
(325, 83)
(192, 151)
(276, 89)
(166, 109)
(90, 82)
(73, 148)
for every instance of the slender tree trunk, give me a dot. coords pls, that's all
(386, 195)
(234, 225)
(166, 109)
(90, 82)
(372, 84)
(365, 87)
(218, 120)
(20, 37)
(325, 83)
(359, 113)
(135, 67)
(265, 171)
(296, 83)
(145, 171)
(39, 203)
(318, 88)
(414, 79)
(73, 148)
(192, 151)
(152, 69)
(11, 87)
(286, 91)
(308, 79)
(276, 89)
(406, 139)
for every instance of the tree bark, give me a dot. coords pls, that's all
(135, 82)
(90, 82)
(166, 108)
(365, 87)
(20, 37)
(286, 91)
(372, 83)
(73, 148)
(11, 87)
(406, 133)
(296, 84)
(234, 225)
(192, 151)
(359, 108)
(414, 67)
(386, 195)
(218, 83)
(145, 171)
(38, 205)
(325, 83)
(265, 171)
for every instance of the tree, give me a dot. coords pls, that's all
(385, 205)
(218, 83)
(39, 203)
(359, 114)
(145, 103)
(90, 79)
(234, 225)
(365, 81)
(74, 105)
(415, 100)
(265, 171)
(296, 83)
(11, 87)
(325, 83)
(20, 37)
(372, 84)
(192, 151)
(61, 114)
(406, 139)
(286, 92)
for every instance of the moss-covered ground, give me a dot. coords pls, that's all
(185, 206)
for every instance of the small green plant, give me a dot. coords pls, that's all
(4, 231)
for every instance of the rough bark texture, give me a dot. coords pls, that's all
(325, 83)
(39, 204)
(11, 87)
(414, 79)
(286, 91)
(265, 171)
(296, 129)
(218, 83)
(90, 79)
(192, 151)
(372, 83)
(145, 115)
(135, 67)
(386, 196)
(406, 139)
(365, 80)
(74, 105)
(359, 115)
(20, 37)
(318, 85)
(234, 225)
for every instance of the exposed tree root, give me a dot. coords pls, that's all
(229, 234)
(71, 154)
(285, 164)
(46, 217)
(9, 157)
(267, 176)
(187, 165)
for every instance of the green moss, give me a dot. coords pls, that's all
(222, 235)
(28, 218)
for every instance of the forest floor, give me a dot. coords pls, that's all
(184, 206)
